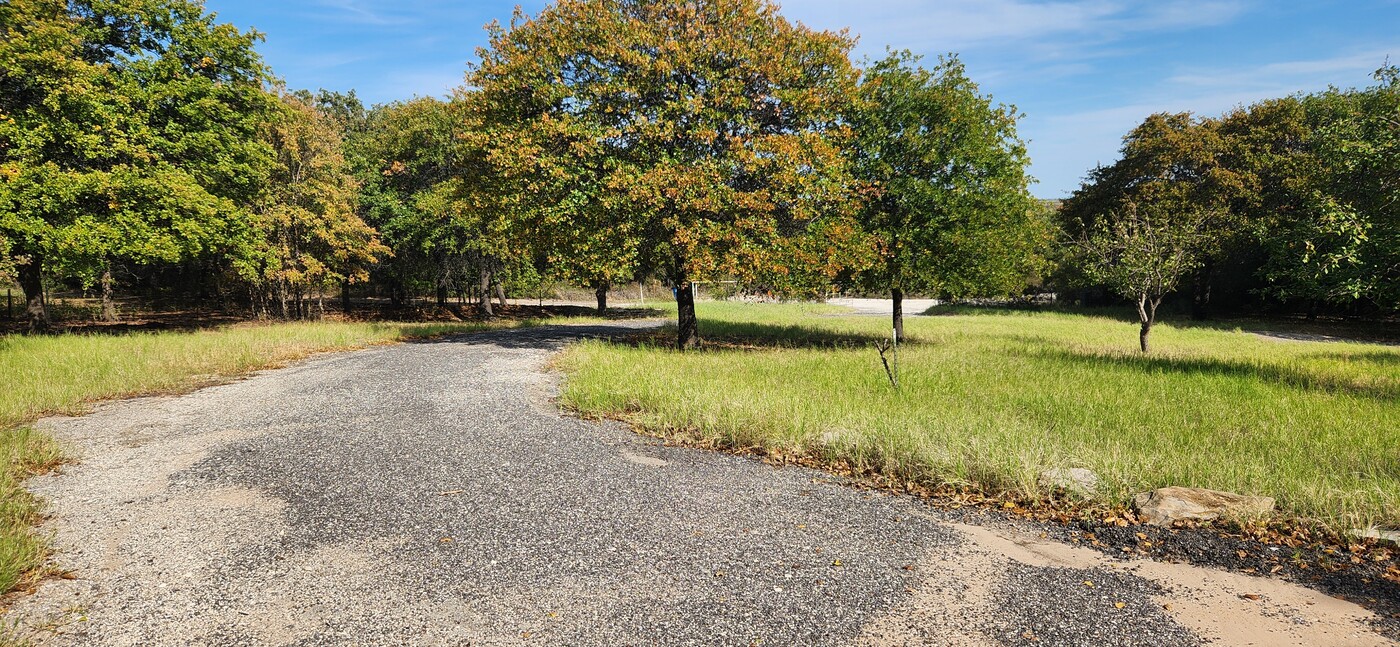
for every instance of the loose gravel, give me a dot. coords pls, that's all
(431, 494)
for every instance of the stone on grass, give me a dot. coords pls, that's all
(1381, 535)
(1163, 506)
(1074, 480)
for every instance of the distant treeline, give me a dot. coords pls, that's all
(1293, 204)
(146, 150)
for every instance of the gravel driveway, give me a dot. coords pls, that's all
(431, 494)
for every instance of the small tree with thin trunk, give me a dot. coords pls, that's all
(1142, 254)
(947, 199)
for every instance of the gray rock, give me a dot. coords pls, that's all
(1163, 506)
(1383, 536)
(1074, 480)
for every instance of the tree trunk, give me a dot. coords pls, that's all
(1200, 293)
(345, 297)
(1147, 315)
(687, 325)
(282, 299)
(442, 295)
(600, 291)
(109, 306)
(501, 295)
(897, 299)
(486, 293)
(31, 281)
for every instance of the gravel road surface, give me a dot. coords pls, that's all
(432, 494)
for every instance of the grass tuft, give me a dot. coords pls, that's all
(24, 452)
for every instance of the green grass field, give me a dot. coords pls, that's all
(66, 374)
(989, 399)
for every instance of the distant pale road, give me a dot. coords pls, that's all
(431, 494)
(911, 307)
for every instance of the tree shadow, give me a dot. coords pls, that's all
(755, 336)
(194, 320)
(548, 337)
(1272, 373)
(1366, 331)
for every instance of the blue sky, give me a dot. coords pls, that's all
(1083, 71)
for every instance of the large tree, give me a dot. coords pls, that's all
(947, 180)
(711, 130)
(308, 234)
(127, 131)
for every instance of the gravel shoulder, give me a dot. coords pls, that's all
(432, 494)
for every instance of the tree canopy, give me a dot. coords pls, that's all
(705, 136)
(946, 185)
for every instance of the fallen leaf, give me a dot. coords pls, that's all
(450, 492)
(1088, 584)
(1250, 596)
(1119, 605)
(835, 562)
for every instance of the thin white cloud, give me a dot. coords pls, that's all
(949, 25)
(360, 12)
(1077, 142)
(1344, 70)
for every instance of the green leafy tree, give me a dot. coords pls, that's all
(946, 173)
(1321, 193)
(1170, 162)
(309, 236)
(127, 131)
(407, 151)
(708, 135)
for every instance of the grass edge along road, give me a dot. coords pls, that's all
(67, 374)
(989, 400)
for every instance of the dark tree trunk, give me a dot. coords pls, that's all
(109, 306)
(600, 291)
(282, 299)
(1147, 316)
(687, 325)
(897, 299)
(396, 293)
(345, 297)
(486, 293)
(442, 295)
(1200, 293)
(31, 280)
(501, 295)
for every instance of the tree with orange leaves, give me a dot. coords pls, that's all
(696, 139)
